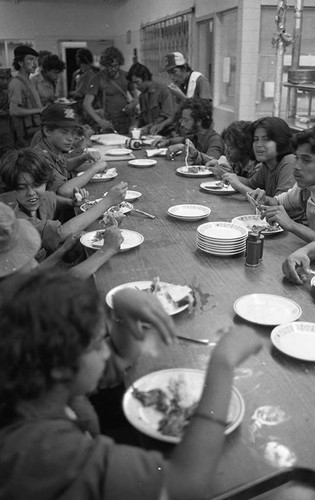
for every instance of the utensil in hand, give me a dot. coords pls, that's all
(172, 155)
(150, 216)
(196, 341)
(253, 202)
(187, 152)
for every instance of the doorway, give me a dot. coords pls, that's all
(205, 52)
(68, 50)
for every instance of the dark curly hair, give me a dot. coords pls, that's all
(27, 160)
(140, 71)
(240, 134)
(111, 54)
(278, 131)
(84, 56)
(47, 321)
(201, 109)
(304, 137)
(52, 62)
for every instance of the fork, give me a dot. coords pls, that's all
(187, 152)
(196, 341)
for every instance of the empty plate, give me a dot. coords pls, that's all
(296, 339)
(119, 152)
(189, 212)
(266, 309)
(142, 163)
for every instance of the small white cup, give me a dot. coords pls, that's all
(136, 133)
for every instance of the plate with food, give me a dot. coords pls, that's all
(174, 298)
(142, 163)
(119, 152)
(89, 204)
(266, 309)
(161, 403)
(95, 239)
(194, 171)
(256, 224)
(296, 339)
(217, 187)
(103, 176)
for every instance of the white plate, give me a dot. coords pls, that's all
(249, 221)
(218, 231)
(188, 173)
(266, 309)
(124, 207)
(64, 100)
(296, 339)
(103, 176)
(132, 239)
(132, 195)
(146, 419)
(211, 187)
(170, 308)
(189, 212)
(221, 252)
(109, 139)
(119, 152)
(142, 163)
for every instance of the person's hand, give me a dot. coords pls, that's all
(259, 196)
(296, 267)
(174, 150)
(145, 130)
(277, 214)
(160, 143)
(215, 168)
(156, 129)
(78, 196)
(105, 125)
(100, 166)
(69, 242)
(192, 150)
(92, 156)
(236, 348)
(117, 193)
(112, 239)
(133, 307)
(232, 179)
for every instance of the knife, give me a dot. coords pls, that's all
(143, 213)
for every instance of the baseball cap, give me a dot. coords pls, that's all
(60, 115)
(173, 59)
(24, 50)
(19, 241)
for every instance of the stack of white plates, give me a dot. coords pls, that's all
(221, 238)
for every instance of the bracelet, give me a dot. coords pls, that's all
(211, 417)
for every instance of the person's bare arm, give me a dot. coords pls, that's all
(66, 189)
(16, 110)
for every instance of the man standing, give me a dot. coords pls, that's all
(46, 82)
(156, 101)
(109, 91)
(6, 132)
(24, 103)
(185, 81)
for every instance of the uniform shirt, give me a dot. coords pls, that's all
(46, 89)
(274, 180)
(58, 164)
(298, 199)
(44, 221)
(112, 99)
(156, 104)
(23, 93)
(202, 90)
(209, 145)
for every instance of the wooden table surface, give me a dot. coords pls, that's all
(272, 384)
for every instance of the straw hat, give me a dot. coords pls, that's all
(19, 241)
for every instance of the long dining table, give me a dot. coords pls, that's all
(277, 431)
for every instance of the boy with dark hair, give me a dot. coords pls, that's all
(46, 82)
(59, 129)
(61, 351)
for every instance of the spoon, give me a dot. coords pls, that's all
(197, 341)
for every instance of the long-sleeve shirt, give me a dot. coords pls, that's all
(298, 199)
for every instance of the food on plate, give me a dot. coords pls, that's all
(171, 403)
(195, 169)
(114, 215)
(264, 227)
(176, 295)
(89, 204)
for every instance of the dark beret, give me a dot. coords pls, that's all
(24, 50)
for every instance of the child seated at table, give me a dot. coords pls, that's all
(59, 130)
(273, 149)
(238, 139)
(301, 197)
(20, 243)
(53, 346)
(26, 171)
